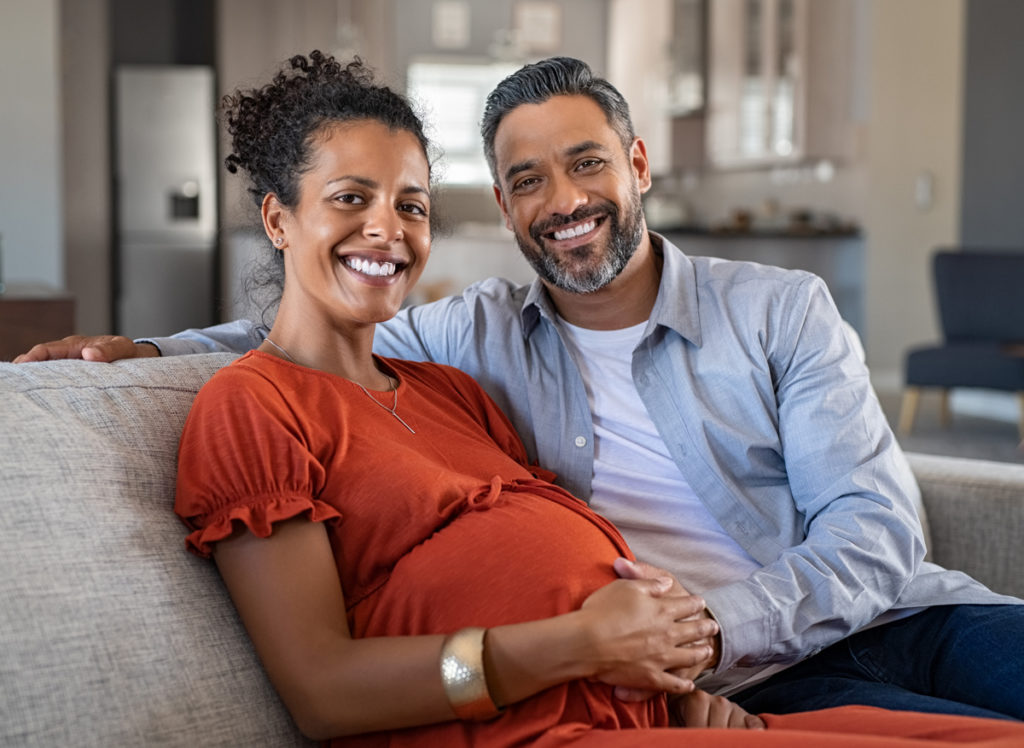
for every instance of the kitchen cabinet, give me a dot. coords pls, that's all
(780, 81)
(656, 59)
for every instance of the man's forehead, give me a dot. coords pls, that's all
(562, 124)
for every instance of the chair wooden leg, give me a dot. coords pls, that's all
(1020, 418)
(944, 413)
(908, 409)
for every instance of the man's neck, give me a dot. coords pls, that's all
(626, 301)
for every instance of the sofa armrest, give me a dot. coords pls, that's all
(975, 511)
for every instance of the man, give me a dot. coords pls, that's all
(715, 411)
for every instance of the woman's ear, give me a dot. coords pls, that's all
(273, 213)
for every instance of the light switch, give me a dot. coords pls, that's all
(924, 190)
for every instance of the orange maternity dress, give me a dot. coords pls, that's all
(450, 527)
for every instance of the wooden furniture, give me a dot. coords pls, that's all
(30, 315)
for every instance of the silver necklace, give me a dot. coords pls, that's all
(393, 383)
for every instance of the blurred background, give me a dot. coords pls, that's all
(852, 138)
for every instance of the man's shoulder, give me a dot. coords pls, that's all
(752, 283)
(714, 270)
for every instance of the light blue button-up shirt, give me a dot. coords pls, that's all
(766, 408)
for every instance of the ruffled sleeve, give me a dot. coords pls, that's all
(245, 461)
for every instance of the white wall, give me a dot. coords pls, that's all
(30, 146)
(915, 130)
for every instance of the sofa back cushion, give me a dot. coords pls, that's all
(111, 633)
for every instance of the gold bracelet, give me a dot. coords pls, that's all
(462, 673)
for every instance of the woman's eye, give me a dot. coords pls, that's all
(413, 208)
(349, 198)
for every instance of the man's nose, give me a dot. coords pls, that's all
(565, 195)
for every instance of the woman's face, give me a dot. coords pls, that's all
(359, 237)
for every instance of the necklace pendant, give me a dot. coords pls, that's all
(403, 422)
(392, 409)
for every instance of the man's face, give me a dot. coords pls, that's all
(570, 191)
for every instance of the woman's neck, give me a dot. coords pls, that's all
(347, 353)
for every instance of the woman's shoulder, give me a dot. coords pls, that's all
(254, 379)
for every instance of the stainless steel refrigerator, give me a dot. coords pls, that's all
(165, 183)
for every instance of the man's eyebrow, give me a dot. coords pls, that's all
(573, 150)
(586, 145)
(520, 167)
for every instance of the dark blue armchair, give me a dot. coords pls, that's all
(980, 297)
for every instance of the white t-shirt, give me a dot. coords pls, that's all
(636, 483)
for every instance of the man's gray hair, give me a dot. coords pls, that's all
(555, 76)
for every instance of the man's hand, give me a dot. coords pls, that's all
(639, 570)
(104, 348)
(701, 709)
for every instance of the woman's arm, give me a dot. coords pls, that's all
(287, 591)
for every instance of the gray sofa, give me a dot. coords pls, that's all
(111, 634)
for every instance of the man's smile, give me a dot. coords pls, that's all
(573, 231)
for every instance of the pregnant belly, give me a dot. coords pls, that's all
(522, 558)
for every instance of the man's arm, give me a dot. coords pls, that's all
(231, 337)
(239, 336)
(858, 541)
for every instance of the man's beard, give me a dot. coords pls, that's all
(570, 271)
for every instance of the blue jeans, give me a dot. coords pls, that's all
(950, 659)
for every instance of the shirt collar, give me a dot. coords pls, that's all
(675, 307)
(536, 304)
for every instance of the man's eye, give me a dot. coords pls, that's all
(589, 163)
(526, 183)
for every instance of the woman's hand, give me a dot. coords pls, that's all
(627, 569)
(701, 709)
(638, 631)
(105, 348)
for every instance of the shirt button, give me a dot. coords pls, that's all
(581, 441)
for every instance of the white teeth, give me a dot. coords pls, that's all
(571, 233)
(370, 268)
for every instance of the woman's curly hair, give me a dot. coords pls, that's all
(273, 128)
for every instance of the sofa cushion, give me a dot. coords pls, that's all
(111, 633)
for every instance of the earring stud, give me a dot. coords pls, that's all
(279, 241)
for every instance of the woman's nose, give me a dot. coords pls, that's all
(383, 223)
